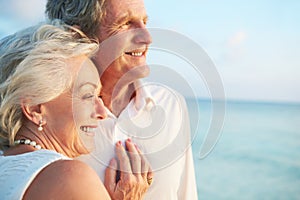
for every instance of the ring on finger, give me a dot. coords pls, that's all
(149, 180)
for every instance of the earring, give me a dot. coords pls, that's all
(40, 128)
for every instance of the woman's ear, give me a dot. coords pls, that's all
(33, 113)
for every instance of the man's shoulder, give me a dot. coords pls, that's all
(159, 87)
(160, 92)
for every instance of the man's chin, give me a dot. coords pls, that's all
(136, 73)
(141, 71)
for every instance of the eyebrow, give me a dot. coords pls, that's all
(128, 16)
(122, 18)
(88, 83)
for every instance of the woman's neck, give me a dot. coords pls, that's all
(46, 141)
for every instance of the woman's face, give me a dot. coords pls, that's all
(72, 117)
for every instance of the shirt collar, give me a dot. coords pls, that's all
(143, 98)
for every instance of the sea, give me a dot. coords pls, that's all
(256, 156)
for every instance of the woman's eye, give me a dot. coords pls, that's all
(88, 96)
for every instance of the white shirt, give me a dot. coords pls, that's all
(18, 171)
(157, 121)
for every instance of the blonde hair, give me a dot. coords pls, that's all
(33, 68)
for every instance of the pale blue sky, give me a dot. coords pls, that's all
(255, 44)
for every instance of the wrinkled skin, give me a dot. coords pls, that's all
(134, 172)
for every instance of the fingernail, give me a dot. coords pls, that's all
(119, 143)
(129, 140)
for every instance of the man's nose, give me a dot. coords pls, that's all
(143, 35)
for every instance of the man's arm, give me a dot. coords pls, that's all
(188, 189)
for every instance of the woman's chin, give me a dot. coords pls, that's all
(88, 142)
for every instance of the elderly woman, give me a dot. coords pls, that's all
(49, 101)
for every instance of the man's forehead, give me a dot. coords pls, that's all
(119, 8)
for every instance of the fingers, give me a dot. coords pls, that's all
(124, 162)
(135, 159)
(133, 164)
(135, 173)
(145, 166)
(110, 176)
(141, 165)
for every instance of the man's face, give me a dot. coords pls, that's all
(124, 41)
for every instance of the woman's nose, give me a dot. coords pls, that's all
(100, 110)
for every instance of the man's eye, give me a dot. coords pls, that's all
(127, 23)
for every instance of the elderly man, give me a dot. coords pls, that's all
(153, 116)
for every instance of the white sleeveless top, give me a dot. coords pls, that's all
(18, 171)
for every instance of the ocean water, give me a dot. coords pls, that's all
(257, 155)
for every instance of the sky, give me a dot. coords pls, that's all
(254, 45)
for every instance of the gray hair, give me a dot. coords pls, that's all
(87, 14)
(33, 67)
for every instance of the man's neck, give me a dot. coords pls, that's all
(116, 99)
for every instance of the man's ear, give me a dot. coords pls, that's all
(33, 113)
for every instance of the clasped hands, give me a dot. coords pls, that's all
(130, 175)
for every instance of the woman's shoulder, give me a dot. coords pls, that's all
(67, 179)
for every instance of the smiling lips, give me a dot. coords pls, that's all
(88, 130)
(137, 52)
